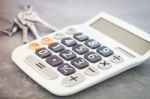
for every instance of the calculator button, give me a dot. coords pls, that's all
(80, 36)
(56, 47)
(79, 63)
(80, 49)
(71, 31)
(41, 67)
(92, 57)
(59, 36)
(43, 52)
(73, 80)
(54, 60)
(46, 41)
(68, 42)
(34, 45)
(67, 55)
(92, 43)
(116, 59)
(91, 71)
(104, 51)
(104, 64)
(66, 69)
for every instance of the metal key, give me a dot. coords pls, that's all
(34, 17)
(11, 28)
(24, 30)
(22, 18)
(33, 29)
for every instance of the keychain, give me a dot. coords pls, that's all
(26, 21)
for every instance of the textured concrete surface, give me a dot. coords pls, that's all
(132, 84)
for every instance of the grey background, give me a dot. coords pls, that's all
(132, 84)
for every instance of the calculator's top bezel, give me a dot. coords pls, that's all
(124, 25)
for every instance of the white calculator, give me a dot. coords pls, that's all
(80, 56)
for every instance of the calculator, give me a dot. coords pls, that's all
(77, 57)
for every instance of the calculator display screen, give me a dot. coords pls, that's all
(121, 35)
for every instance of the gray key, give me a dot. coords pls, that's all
(68, 42)
(104, 51)
(43, 52)
(56, 47)
(24, 30)
(80, 37)
(92, 43)
(92, 57)
(73, 80)
(41, 67)
(66, 69)
(54, 60)
(67, 55)
(91, 71)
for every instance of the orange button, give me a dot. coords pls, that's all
(46, 41)
(34, 45)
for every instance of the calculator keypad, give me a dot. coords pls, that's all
(67, 55)
(77, 51)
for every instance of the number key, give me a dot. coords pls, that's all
(92, 43)
(80, 49)
(79, 63)
(43, 52)
(67, 55)
(56, 47)
(104, 51)
(68, 42)
(92, 57)
(80, 36)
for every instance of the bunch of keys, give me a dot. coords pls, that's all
(26, 21)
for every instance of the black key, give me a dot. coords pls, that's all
(67, 55)
(80, 63)
(68, 42)
(66, 69)
(56, 47)
(104, 51)
(43, 52)
(92, 57)
(80, 49)
(54, 60)
(80, 36)
(92, 43)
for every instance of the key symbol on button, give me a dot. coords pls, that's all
(104, 65)
(73, 78)
(116, 59)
